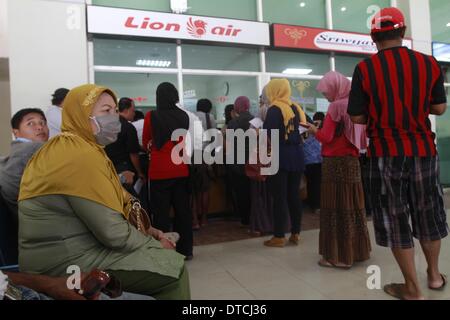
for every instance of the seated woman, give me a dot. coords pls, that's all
(73, 210)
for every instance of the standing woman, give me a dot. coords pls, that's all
(201, 178)
(229, 115)
(344, 238)
(261, 214)
(169, 184)
(285, 116)
(240, 182)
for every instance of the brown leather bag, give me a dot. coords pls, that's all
(138, 217)
(253, 170)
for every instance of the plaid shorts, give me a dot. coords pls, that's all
(402, 187)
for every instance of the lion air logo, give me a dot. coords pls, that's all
(196, 28)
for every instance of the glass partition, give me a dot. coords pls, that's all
(290, 61)
(304, 92)
(111, 52)
(137, 86)
(221, 90)
(346, 64)
(220, 58)
(440, 20)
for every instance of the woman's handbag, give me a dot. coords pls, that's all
(254, 166)
(253, 170)
(139, 218)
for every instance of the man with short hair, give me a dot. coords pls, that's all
(30, 129)
(124, 153)
(54, 113)
(394, 92)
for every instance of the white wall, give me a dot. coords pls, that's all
(5, 108)
(420, 24)
(420, 29)
(5, 103)
(47, 49)
(3, 29)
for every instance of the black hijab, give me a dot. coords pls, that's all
(228, 110)
(205, 106)
(168, 117)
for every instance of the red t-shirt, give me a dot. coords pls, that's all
(333, 146)
(395, 89)
(161, 165)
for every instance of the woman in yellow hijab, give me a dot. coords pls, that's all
(72, 208)
(278, 92)
(284, 117)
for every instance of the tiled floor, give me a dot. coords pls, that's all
(226, 229)
(246, 270)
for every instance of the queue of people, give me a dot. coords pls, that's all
(73, 198)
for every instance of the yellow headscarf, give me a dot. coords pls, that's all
(72, 163)
(278, 91)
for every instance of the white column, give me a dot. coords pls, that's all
(3, 29)
(263, 78)
(329, 12)
(5, 108)
(180, 73)
(420, 25)
(5, 105)
(420, 29)
(47, 52)
(91, 71)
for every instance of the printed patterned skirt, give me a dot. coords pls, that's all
(344, 237)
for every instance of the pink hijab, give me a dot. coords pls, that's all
(336, 87)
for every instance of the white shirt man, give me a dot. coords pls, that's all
(139, 125)
(54, 113)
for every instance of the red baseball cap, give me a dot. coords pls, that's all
(393, 15)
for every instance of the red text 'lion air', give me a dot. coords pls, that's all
(196, 28)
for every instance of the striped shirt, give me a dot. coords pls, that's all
(395, 89)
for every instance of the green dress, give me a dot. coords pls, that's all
(58, 231)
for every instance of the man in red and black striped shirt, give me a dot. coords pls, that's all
(394, 92)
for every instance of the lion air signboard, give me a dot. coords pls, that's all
(115, 21)
(286, 36)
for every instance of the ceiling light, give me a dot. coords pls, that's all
(343, 9)
(178, 6)
(153, 63)
(448, 24)
(297, 71)
(302, 4)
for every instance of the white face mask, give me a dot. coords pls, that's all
(109, 127)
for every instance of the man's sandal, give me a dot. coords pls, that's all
(444, 283)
